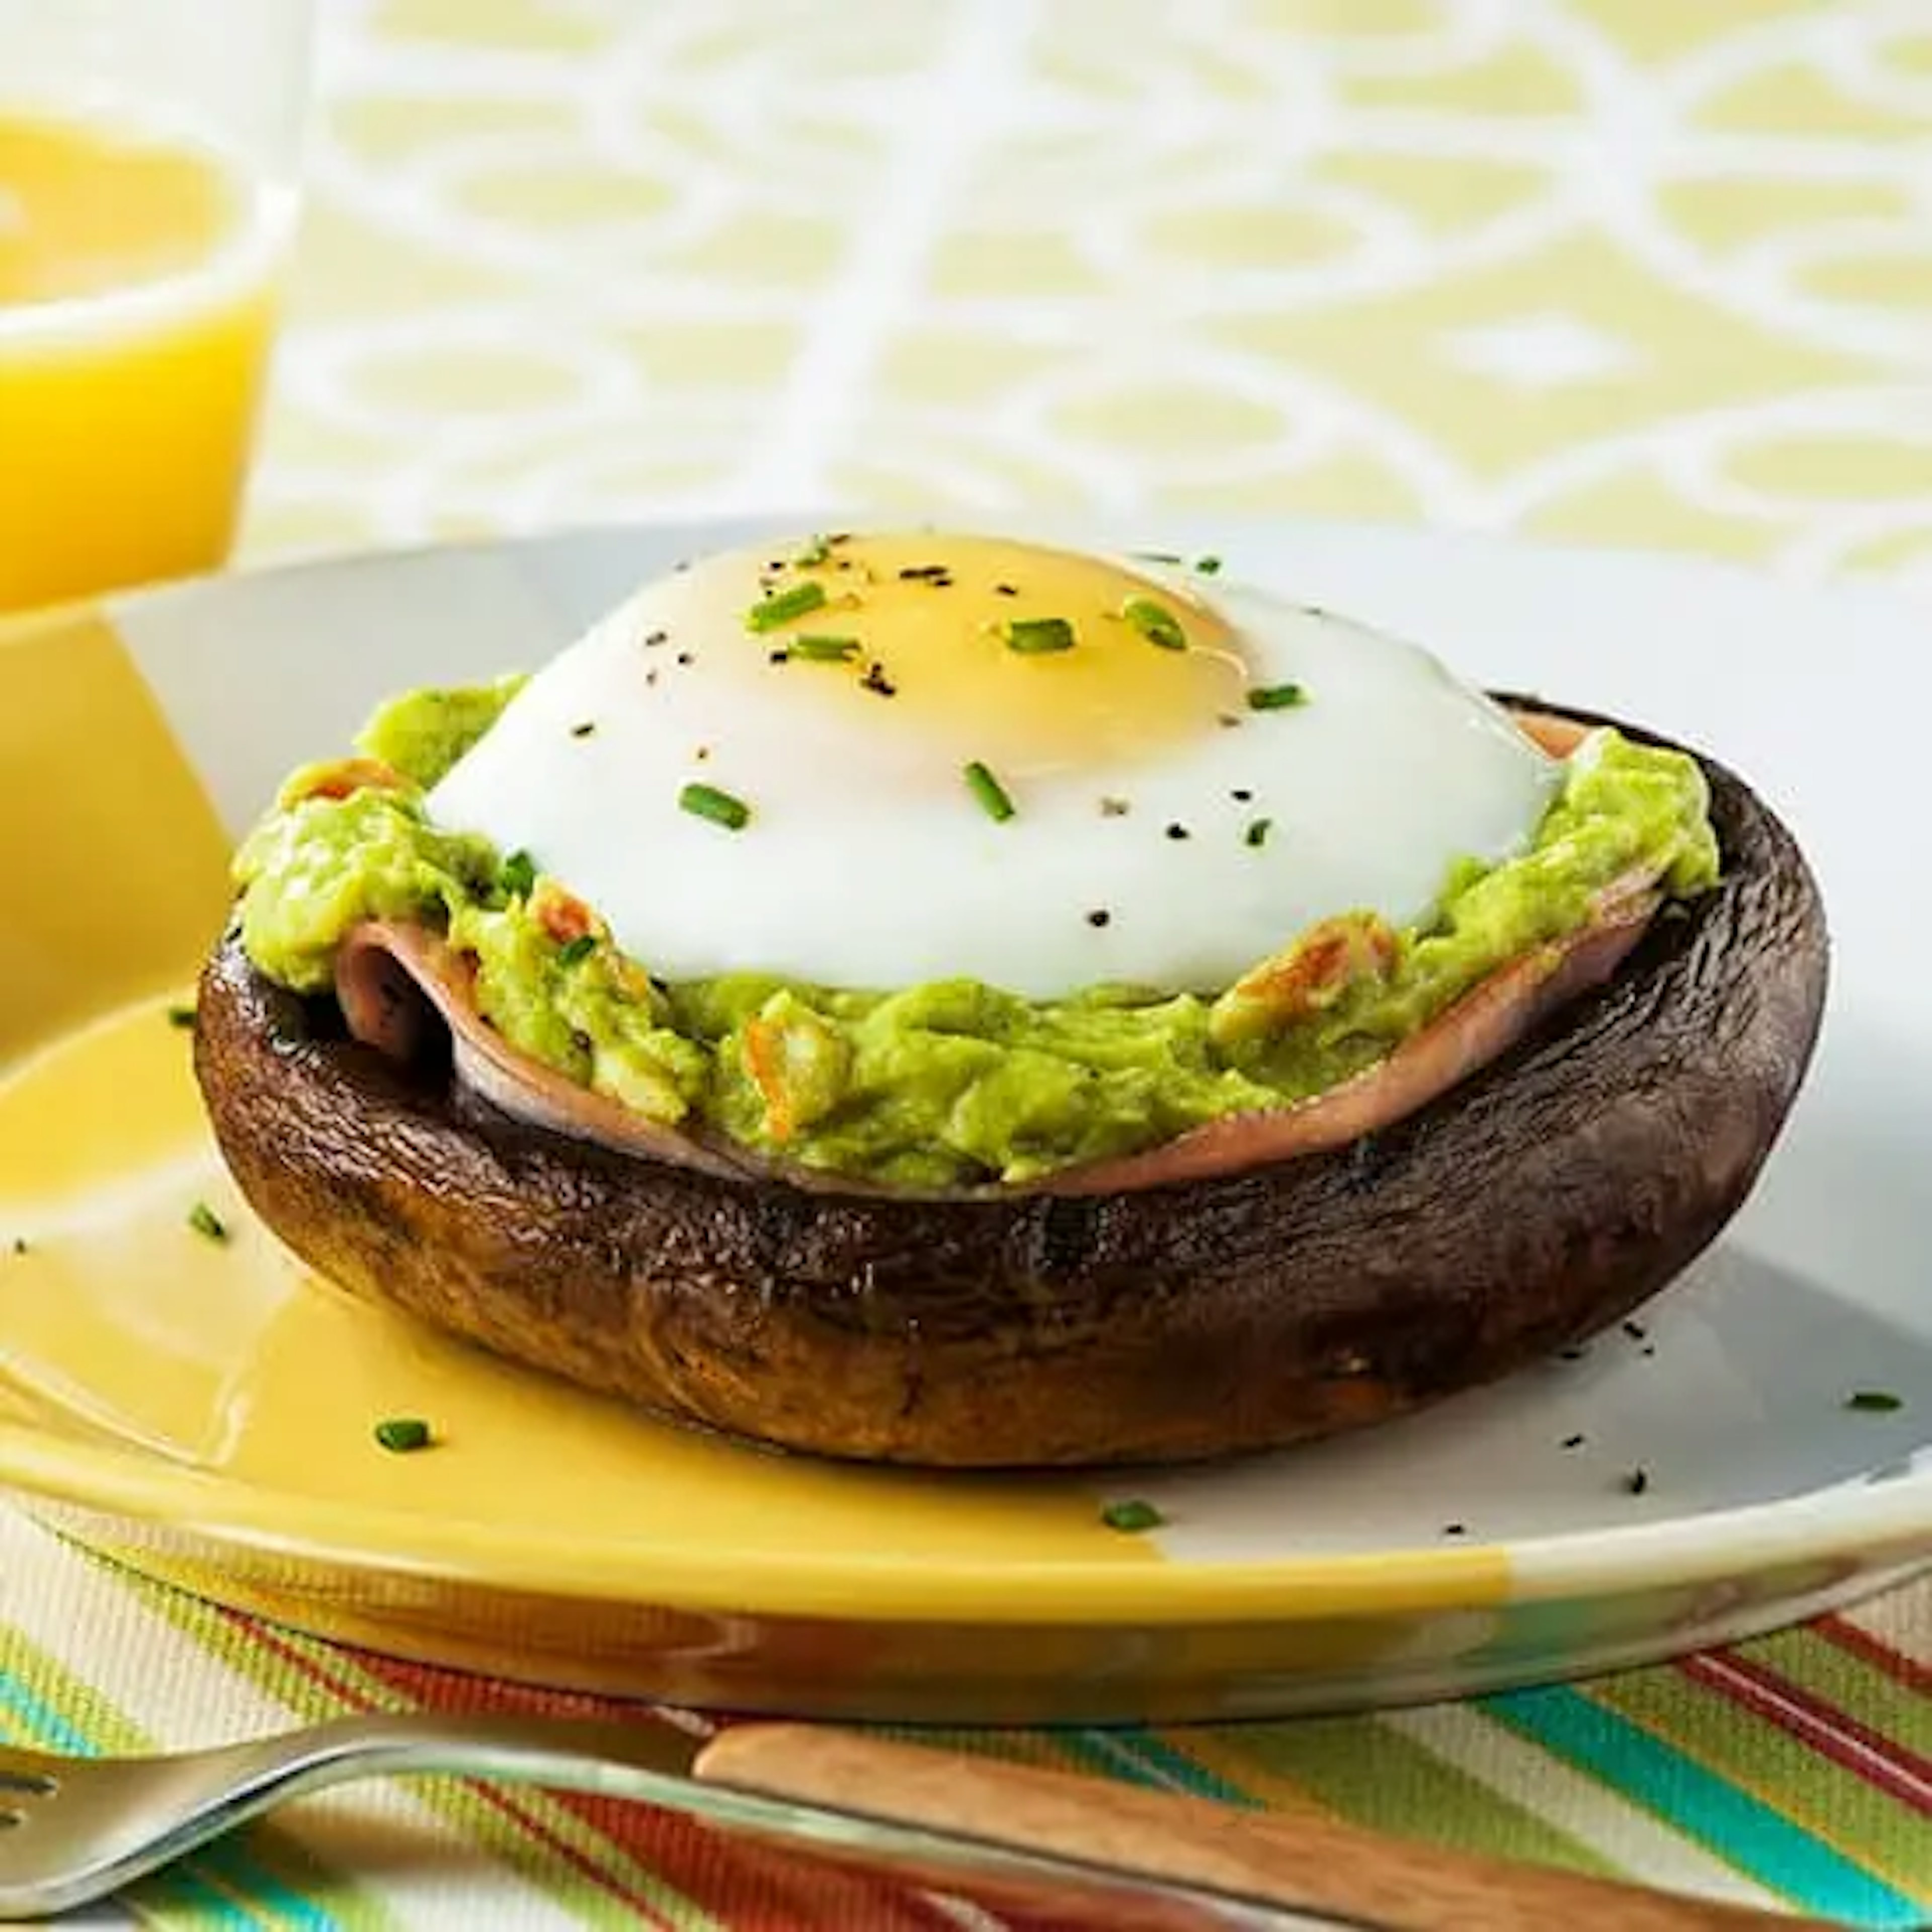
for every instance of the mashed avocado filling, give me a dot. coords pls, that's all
(948, 1083)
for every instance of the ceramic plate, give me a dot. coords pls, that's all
(204, 1410)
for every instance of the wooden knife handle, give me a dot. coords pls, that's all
(1286, 1858)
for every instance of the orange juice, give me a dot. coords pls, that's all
(137, 292)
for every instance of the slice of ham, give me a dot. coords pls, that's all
(1485, 1023)
(396, 981)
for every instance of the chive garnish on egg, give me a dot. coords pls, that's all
(1276, 698)
(1258, 831)
(816, 649)
(183, 1017)
(1037, 637)
(782, 606)
(1155, 622)
(989, 790)
(1132, 1516)
(704, 801)
(574, 952)
(1207, 565)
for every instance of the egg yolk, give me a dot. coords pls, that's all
(1036, 661)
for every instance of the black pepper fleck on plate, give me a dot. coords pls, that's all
(1100, 917)
(653, 639)
(1571, 1355)
(1636, 1331)
(1242, 796)
(1572, 1442)
(1455, 1529)
(1177, 830)
(685, 657)
(584, 730)
(1637, 1481)
(1114, 808)
(875, 679)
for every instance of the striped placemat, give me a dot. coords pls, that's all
(1794, 1771)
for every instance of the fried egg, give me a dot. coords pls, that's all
(877, 760)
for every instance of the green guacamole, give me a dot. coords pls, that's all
(952, 1083)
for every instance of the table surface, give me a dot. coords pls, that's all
(1632, 271)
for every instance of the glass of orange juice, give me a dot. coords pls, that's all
(148, 159)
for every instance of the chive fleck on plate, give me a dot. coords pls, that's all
(175, 1390)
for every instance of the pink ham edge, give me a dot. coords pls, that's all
(1486, 1022)
(386, 971)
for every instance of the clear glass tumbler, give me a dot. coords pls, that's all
(149, 154)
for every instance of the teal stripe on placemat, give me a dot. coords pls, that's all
(45, 1726)
(1744, 1833)
(1140, 1757)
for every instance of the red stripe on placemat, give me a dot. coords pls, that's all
(1898, 1772)
(498, 1800)
(1860, 1642)
(752, 1887)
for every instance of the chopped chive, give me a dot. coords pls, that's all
(818, 551)
(1874, 1401)
(574, 952)
(1156, 556)
(401, 1434)
(517, 875)
(1155, 622)
(1258, 831)
(1035, 637)
(584, 730)
(1132, 1516)
(704, 801)
(784, 605)
(183, 1017)
(203, 1219)
(654, 638)
(1207, 565)
(989, 790)
(1276, 698)
(823, 650)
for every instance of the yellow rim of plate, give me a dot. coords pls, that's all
(1874, 1526)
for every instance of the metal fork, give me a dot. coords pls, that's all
(74, 1829)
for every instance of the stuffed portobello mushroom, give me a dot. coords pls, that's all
(940, 1000)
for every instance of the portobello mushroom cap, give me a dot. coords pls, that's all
(1537, 1200)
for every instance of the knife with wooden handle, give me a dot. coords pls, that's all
(1304, 1863)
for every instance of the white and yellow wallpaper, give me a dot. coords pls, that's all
(1652, 271)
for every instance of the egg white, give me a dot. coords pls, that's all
(868, 863)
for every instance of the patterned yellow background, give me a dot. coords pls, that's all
(1639, 270)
